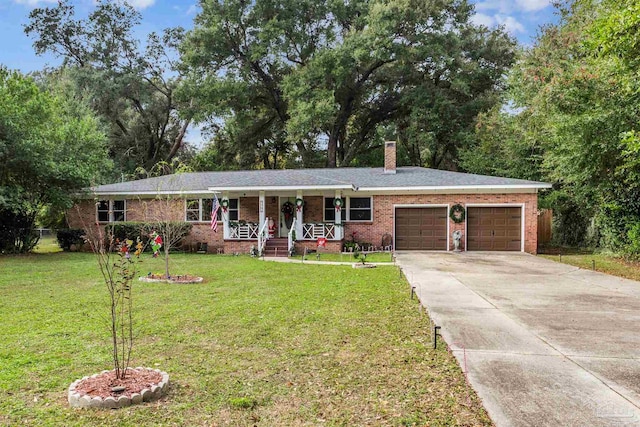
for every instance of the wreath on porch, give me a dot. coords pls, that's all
(337, 203)
(287, 210)
(299, 204)
(457, 213)
(224, 204)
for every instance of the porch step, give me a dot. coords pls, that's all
(276, 247)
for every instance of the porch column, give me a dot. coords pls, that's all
(338, 218)
(299, 217)
(261, 210)
(225, 217)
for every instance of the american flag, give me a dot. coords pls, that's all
(214, 214)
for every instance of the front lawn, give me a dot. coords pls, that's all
(346, 257)
(603, 263)
(260, 343)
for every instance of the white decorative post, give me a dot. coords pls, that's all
(299, 217)
(261, 210)
(338, 218)
(225, 217)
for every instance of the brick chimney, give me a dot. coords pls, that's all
(390, 157)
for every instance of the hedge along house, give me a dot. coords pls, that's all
(418, 208)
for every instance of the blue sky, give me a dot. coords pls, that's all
(520, 17)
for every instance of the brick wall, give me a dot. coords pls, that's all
(249, 209)
(83, 214)
(313, 209)
(383, 214)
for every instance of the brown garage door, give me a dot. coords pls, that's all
(421, 229)
(494, 229)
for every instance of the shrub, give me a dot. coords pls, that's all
(633, 248)
(17, 231)
(132, 230)
(69, 236)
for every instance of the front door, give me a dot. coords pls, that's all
(286, 215)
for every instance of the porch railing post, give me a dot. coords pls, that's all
(299, 217)
(261, 210)
(338, 218)
(225, 219)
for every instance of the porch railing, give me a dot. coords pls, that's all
(290, 238)
(315, 231)
(247, 231)
(263, 236)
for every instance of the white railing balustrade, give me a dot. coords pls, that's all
(243, 231)
(263, 236)
(290, 239)
(315, 231)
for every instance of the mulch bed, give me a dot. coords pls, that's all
(135, 381)
(180, 278)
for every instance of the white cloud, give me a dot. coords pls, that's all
(532, 5)
(511, 6)
(193, 9)
(140, 4)
(511, 24)
(482, 19)
(33, 3)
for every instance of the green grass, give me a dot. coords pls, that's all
(259, 343)
(603, 263)
(347, 257)
(47, 245)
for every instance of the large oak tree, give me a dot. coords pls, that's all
(131, 88)
(305, 76)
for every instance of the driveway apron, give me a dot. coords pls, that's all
(546, 344)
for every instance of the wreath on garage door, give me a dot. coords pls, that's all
(457, 213)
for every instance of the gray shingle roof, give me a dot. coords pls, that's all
(341, 178)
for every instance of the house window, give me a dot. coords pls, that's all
(234, 210)
(199, 210)
(330, 210)
(111, 210)
(354, 209)
(359, 208)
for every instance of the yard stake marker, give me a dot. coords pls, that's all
(436, 334)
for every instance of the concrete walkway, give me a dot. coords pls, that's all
(546, 344)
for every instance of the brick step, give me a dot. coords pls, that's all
(277, 243)
(279, 246)
(273, 252)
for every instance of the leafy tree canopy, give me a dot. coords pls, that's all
(290, 79)
(51, 145)
(130, 87)
(575, 94)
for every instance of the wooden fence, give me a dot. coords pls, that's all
(544, 226)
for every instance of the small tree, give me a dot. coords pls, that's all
(119, 268)
(158, 214)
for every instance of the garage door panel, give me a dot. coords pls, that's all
(421, 228)
(494, 228)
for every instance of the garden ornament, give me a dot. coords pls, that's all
(457, 236)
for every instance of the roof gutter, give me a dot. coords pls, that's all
(285, 188)
(91, 193)
(459, 187)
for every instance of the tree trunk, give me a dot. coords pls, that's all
(166, 259)
(332, 151)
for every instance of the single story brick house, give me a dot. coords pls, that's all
(408, 207)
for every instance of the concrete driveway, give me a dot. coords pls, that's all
(546, 344)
